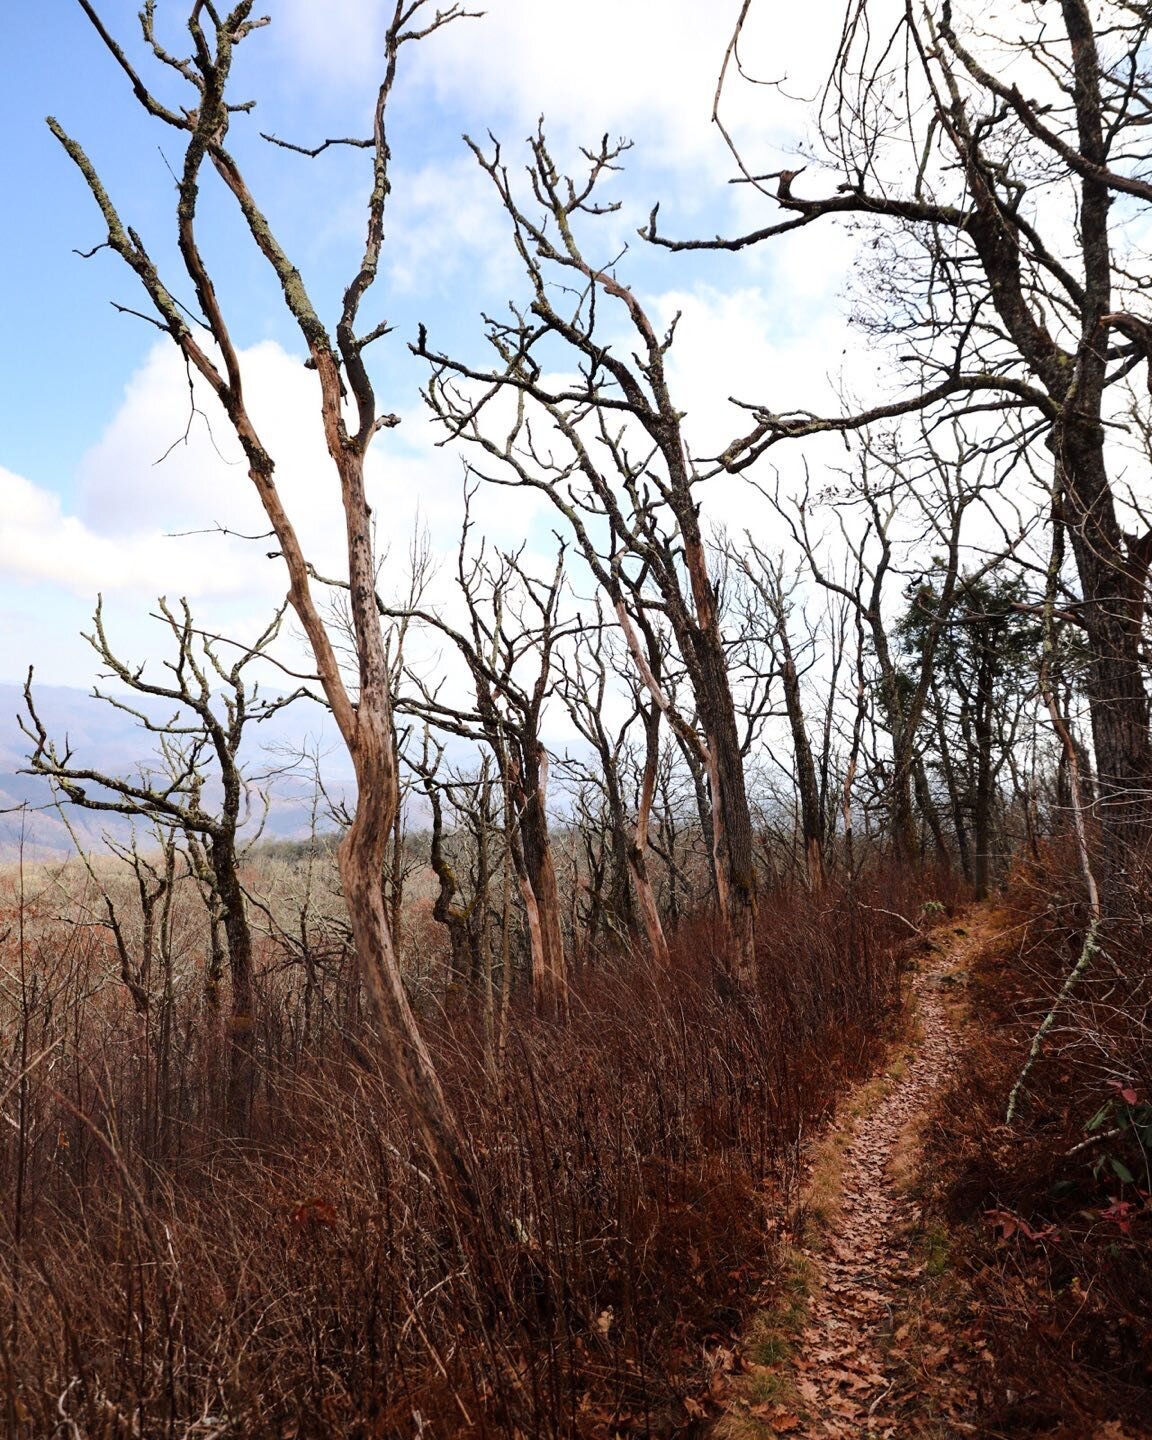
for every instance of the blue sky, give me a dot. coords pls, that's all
(89, 399)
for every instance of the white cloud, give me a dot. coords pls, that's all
(162, 465)
(335, 39)
(632, 67)
(447, 233)
(768, 347)
(39, 541)
(646, 69)
(121, 537)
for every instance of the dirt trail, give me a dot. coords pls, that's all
(864, 1363)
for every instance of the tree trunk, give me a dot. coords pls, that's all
(1114, 584)
(369, 733)
(735, 853)
(549, 970)
(242, 1016)
(406, 1059)
(948, 769)
(702, 646)
(807, 781)
(985, 769)
(638, 849)
(929, 813)
(443, 910)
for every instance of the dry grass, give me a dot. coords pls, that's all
(764, 1388)
(163, 1276)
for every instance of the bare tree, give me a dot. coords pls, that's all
(586, 686)
(153, 884)
(464, 916)
(507, 647)
(768, 612)
(635, 512)
(983, 679)
(351, 418)
(910, 502)
(1001, 186)
(199, 751)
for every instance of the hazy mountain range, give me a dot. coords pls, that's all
(106, 739)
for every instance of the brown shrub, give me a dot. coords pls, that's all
(1052, 1215)
(160, 1276)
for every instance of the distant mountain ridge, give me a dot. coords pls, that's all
(106, 739)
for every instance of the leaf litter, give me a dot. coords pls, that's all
(871, 1359)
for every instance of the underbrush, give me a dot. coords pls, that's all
(1050, 1216)
(161, 1277)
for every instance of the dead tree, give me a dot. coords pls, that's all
(767, 618)
(996, 300)
(616, 465)
(298, 905)
(351, 417)
(587, 683)
(512, 630)
(983, 679)
(464, 916)
(153, 884)
(911, 503)
(585, 675)
(198, 747)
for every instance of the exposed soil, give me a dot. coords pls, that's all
(874, 1334)
(866, 1360)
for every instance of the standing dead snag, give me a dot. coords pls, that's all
(911, 499)
(616, 465)
(511, 618)
(768, 604)
(584, 688)
(154, 885)
(351, 419)
(199, 747)
(983, 681)
(470, 806)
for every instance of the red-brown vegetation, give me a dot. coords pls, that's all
(1052, 1222)
(162, 1275)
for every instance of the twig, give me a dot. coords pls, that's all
(895, 914)
(1094, 1140)
(312, 153)
(1091, 943)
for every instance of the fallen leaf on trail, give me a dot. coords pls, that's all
(869, 1325)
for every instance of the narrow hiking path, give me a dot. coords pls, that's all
(860, 1358)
